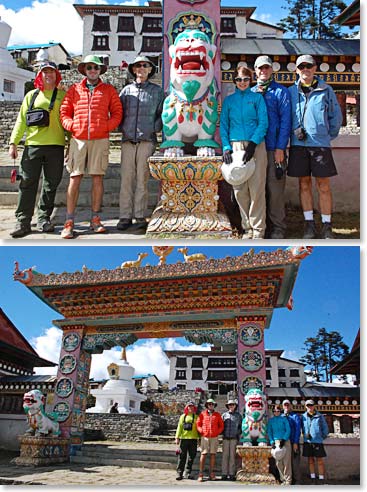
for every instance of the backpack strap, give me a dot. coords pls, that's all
(53, 99)
(34, 97)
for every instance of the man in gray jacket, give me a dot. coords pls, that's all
(142, 102)
(232, 430)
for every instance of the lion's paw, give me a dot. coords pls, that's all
(173, 152)
(205, 152)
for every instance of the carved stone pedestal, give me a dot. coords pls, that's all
(255, 465)
(41, 451)
(189, 202)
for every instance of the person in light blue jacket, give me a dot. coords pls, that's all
(278, 104)
(280, 430)
(243, 126)
(316, 120)
(315, 430)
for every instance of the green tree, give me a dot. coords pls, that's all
(311, 18)
(323, 352)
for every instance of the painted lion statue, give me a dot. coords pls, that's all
(254, 423)
(190, 112)
(39, 422)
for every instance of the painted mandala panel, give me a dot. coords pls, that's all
(251, 360)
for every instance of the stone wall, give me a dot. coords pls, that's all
(124, 427)
(8, 116)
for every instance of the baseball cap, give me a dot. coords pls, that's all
(309, 402)
(263, 60)
(305, 59)
(286, 401)
(47, 64)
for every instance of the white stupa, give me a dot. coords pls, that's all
(119, 388)
(12, 78)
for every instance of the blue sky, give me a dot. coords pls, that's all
(326, 293)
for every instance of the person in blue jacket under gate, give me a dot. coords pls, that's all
(278, 104)
(243, 125)
(280, 430)
(315, 430)
(294, 421)
(316, 120)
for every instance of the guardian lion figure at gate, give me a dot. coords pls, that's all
(39, 422)
(190, 112)
(254, 423)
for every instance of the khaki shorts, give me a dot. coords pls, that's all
(209, 445)
(88, 157)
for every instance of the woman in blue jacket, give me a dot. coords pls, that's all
(243, 126)
(315, 430)
(280, 430)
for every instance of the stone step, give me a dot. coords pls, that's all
(127, 463)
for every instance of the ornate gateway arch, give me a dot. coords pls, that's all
(226, 302)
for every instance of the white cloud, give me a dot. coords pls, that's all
(54, 20)
(267, 18)
(145, 357)
(48, 346)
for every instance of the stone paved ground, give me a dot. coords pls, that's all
(93, 475)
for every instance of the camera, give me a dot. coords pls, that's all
(187, 426)
(279, 173)
(300, 133)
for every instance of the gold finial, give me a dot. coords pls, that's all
(123, 354)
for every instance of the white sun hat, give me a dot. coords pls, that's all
(238, 172)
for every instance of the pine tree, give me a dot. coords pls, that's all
(323, 352)
(311, 18)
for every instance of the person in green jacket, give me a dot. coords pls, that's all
(43, 153)
(187, 437)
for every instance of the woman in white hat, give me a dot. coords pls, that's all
(243, 126)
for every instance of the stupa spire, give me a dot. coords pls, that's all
(123, 354)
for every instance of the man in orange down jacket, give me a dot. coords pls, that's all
(209, 425)
(90, 110)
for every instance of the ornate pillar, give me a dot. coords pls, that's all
(72, 385)
(251, 372)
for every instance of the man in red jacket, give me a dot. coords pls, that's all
(90, 110)
(209, 425)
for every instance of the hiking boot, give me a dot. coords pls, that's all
(247, 234)
(179, 476)
(277, 234)
(212, 476)
(326, 231)
(68, 230)
(21, 230)
(224, 477)
(46, 226)
(97, 226)
(201, 477)
(232, 478)
(123, 224)
(141, 224)
(309, 231)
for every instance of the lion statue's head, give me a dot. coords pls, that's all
(33, 401)
(255, 404)
(192, 59)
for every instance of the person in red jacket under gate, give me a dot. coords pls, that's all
(90, 110)
(209, 425)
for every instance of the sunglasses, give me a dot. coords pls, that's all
(142, 65)
(276, 411)
(305, 65)
(92, 67)
(242, 79)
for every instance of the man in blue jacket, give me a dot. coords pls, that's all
(316, 120)
(294, 421)
(278, 105)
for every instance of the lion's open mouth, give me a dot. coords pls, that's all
(255, 404)
(191, 61)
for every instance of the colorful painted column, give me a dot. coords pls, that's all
(71, 389)
(189, 201)
(251, 372)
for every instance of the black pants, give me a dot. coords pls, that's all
(188, 452)
(47, 160)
